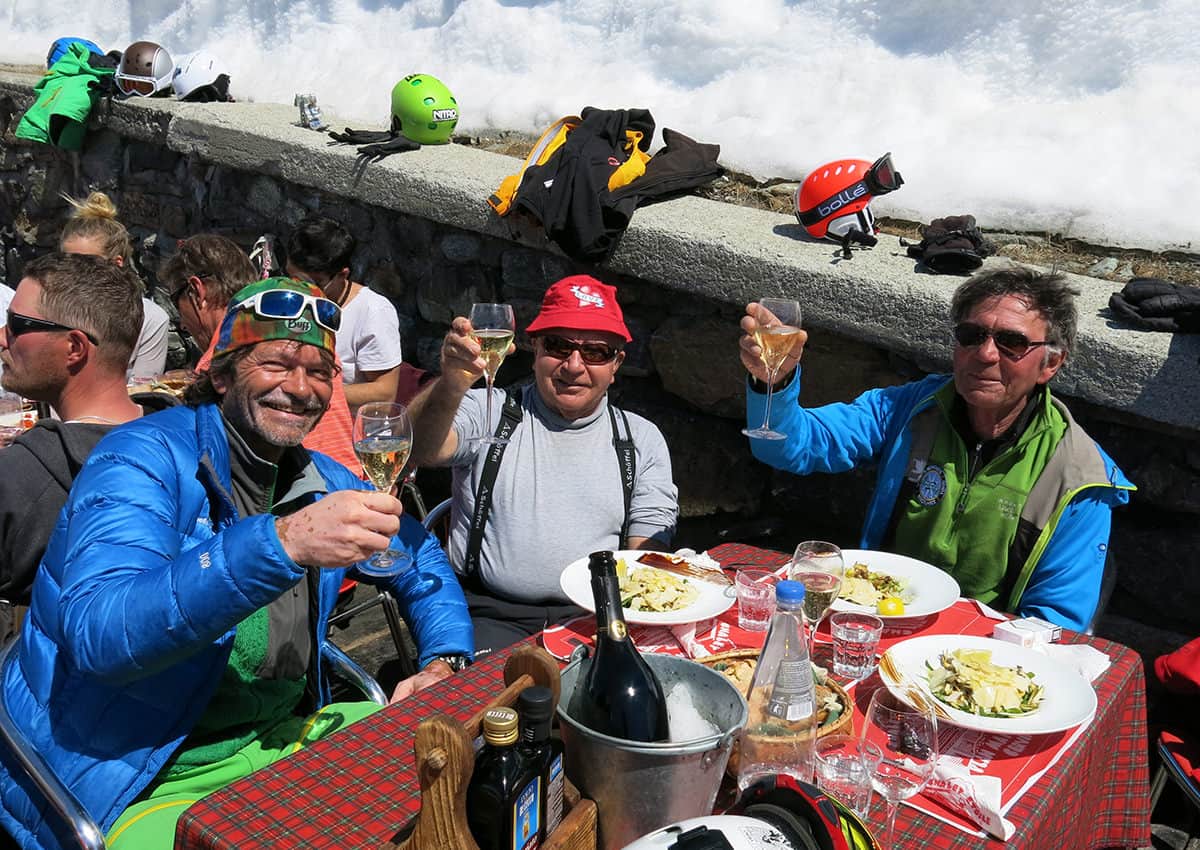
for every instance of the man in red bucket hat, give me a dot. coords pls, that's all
(576, 475)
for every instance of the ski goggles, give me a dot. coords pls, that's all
(289, 304)
(18, 324)
(135, 85)
(1012, 344)
(592, 353)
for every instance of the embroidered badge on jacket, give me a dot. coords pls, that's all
(932, 486)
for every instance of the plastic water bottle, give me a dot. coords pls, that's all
(310, 113)
(779, 735)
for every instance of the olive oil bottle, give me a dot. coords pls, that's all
(536, 707)
(505, 793)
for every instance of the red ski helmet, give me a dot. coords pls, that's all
(833, 201)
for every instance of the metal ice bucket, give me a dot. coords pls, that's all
(639, 787)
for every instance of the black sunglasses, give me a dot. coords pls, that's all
(592, 353)
(1012, 344)
(18, 325)
(176, 294)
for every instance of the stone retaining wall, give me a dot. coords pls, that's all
(684, 270)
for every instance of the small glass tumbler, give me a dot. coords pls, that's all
(855, 639)
(844, 766)
(755, 598)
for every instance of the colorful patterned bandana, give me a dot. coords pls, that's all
(243, 325)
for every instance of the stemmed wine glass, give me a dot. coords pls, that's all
(907, 735)
(778, 328)
(493, 327)
(383, 441)
(819, 567)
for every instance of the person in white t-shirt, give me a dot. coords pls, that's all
(368, 342)
(93, 229)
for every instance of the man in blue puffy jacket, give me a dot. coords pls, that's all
(172, 643)
(983, 473)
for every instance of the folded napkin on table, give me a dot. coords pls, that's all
(1088, 661)
(976, 797)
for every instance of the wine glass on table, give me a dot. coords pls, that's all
(778, 330)
(383, 441)
(907, 735)
(492, 327)
(819, 566)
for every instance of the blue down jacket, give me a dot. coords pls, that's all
(134, 608)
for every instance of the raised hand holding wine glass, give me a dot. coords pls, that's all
(493, 327)
(382, 441)
(907, 735)
(819, 566)
(774, 324)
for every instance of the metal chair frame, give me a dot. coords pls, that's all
(1169, 768)
(63, 807)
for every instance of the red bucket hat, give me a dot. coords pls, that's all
(581, 303)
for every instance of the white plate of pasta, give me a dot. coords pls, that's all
(923, 588)
(651, 596)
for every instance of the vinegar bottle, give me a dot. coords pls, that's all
(504, 796)
(618, 695)
(536, 707)
(778, 739)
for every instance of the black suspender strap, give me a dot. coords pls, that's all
(510, 418)
(627, 461)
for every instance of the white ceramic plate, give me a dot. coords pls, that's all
(932, 589)
(1068, 699)
(576, 582)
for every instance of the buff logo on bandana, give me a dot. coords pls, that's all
(587, 298)
(932, 486)
(300, 325)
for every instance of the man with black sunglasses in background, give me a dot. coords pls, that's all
(983, 473)
(69, 332)
(577, 475)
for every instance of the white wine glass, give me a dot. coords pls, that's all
(907, 735)
(493, 328)
(819, 566)
(778, 331)
(383, 441)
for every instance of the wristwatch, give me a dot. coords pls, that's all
(457, 663)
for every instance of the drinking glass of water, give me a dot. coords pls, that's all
(855, 639)
(383, 441)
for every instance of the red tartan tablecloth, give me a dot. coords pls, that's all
(358, 787)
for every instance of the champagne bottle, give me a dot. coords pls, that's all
(618, 694)
(536, 707)
(504, 795)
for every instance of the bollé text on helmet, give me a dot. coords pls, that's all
(842, 198)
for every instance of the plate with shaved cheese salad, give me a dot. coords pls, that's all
(660, 590)
(893, 587)
(989, 685)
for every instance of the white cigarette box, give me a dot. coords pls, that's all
(1027, 631)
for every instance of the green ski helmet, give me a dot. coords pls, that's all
(423, 109)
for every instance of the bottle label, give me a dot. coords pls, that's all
(554, 795)
(792, 694)
(617, 630)
(527, 818)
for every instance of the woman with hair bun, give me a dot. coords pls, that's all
(93, 229)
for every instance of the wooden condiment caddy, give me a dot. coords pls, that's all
(445, 758)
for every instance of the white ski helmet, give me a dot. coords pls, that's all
(200, 76)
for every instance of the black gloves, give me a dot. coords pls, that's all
(951, 245)
(1154, 304)
(376, 144)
